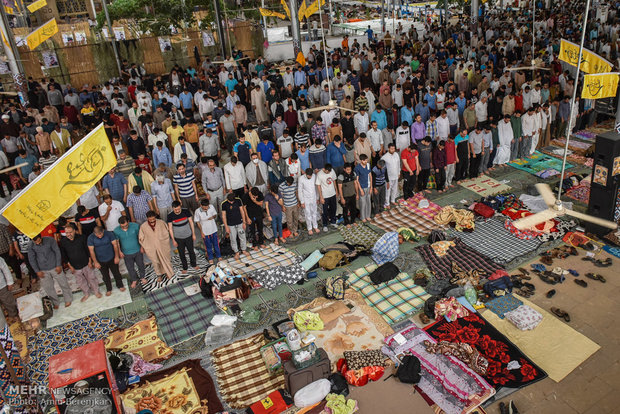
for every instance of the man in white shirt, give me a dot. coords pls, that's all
(205, 219)
(537, 128)
(392, 169)
(506, 138)
(528, 127)
(205, 106)
(234, 175)
(443, 126)
(403, 136)
(481, 110)
(306, 193)
(361, 122)
(375, 136)
(110, 211)
(327, 192)
(156, 136)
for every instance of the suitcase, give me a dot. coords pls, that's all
(295, 379)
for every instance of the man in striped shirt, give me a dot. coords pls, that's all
(288, 192)
(301, 137)
(185, 188)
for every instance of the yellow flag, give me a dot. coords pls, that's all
(590, 62)
(59, 186)
(271, 13)
(600, 85)
(33, 7)
(301, 14)
(313, 8)
(286, 9)
(301, 59)
(43, 33)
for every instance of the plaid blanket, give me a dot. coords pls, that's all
(493, 240)
(241, 372)
(392, 219)
(393, 300)
(412, 204)
(359, 234)
(262, 259)
(180, 317)
(466, 257)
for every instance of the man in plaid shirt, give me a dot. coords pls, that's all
(431, 127)
(319, 131)
(386, 248)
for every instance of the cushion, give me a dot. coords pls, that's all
(360, 359)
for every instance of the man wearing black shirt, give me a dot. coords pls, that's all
(183, 234)
(75, 252)
(87, 220)
(135, 145)
(348, 127)
(253, 203)
(235, 219)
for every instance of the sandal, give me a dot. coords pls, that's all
(546, 260)
(581, 283)
(424, 319)
(524, 271)
(595, 276)
(561, 314)
(551, 293)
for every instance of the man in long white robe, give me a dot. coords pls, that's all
(506, 136)
(258, 98)
(306, 189)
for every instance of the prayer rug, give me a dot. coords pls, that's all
(140, 339)
(574, 145)
(91, 306)
(183, 388)
(412, 204)
(270, 256)
(449, 382)
(493, 240)
(397, 217)
(273, 277)
(8, 394)
(63, 338)
(241, 373)
(349, 325)
(466, 257)
(579, 193)
(180, 317)
(152, 283)
(484, 186)
(393, 300)
(508, 366)
(538, 162)
(359, 235)
(554, 346)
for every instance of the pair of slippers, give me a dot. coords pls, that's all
(595, 276)
(561, 314)
(598, 263)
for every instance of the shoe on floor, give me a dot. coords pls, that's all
(551, 293)
(581, 283)
(325, 229)
(512, 408)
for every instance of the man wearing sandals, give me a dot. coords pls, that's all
(131, 252)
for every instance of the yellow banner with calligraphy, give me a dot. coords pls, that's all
(33, 7)
(271, 13)
(590, 62)
(43, 33)
(600, 85)
(286, 9)
(59, 186)
(312, 8)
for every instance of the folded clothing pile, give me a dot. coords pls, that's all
(524, 317)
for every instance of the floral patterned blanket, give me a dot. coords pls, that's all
(508, 366)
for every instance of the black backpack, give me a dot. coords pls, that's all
(384, 273)
(408, 371)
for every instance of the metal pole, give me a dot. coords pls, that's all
(12, 54)
(295, 30)
(228, 34)
(331, 17)
(220, 31)
(382, 16)
(572, 104)
(112, 36)
(264, 21)
(445, 5)
(534, 31)
(474, 14)
(329, 85)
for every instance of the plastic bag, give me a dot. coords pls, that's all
(470, 294)
(312, 393)
(224, 320)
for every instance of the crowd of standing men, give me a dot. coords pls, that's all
(218, 150)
